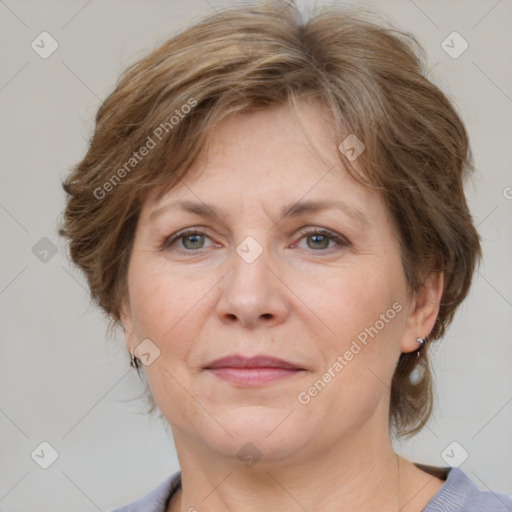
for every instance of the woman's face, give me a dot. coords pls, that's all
(250, 281)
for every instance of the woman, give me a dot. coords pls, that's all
(273, 211)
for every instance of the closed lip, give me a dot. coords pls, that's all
(260, 361)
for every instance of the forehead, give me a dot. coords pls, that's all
(272, 157)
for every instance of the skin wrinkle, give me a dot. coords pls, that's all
(291, 302)
(277, 305)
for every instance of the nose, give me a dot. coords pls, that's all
(253, 293)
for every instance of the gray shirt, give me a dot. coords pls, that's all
(458, 494)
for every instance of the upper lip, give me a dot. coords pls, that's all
(260, 361)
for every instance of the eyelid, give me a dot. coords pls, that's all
(170, 239)
(340, 240)
(333, 235)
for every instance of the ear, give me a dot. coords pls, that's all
(125, 314)
(423, 312)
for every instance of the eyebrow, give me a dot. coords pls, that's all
(290, 210)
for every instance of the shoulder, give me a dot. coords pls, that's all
(155, 500)
(461, 494)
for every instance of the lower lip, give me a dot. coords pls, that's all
(253, 376)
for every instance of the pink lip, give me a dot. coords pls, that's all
(252, 371)
(261, 361)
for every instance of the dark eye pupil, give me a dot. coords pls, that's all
(316, 237)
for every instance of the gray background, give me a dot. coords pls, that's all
(63, 382)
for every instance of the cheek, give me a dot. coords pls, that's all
(352, 298)
(156, 305)
(362, 305)
(168, 305)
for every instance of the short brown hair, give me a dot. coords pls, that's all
(371, 77)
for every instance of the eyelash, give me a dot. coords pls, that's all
(341, 241)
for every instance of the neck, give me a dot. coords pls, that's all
(360, 472)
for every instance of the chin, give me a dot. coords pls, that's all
(274, 432)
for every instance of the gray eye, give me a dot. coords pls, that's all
(318, 241)
(196, 241)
